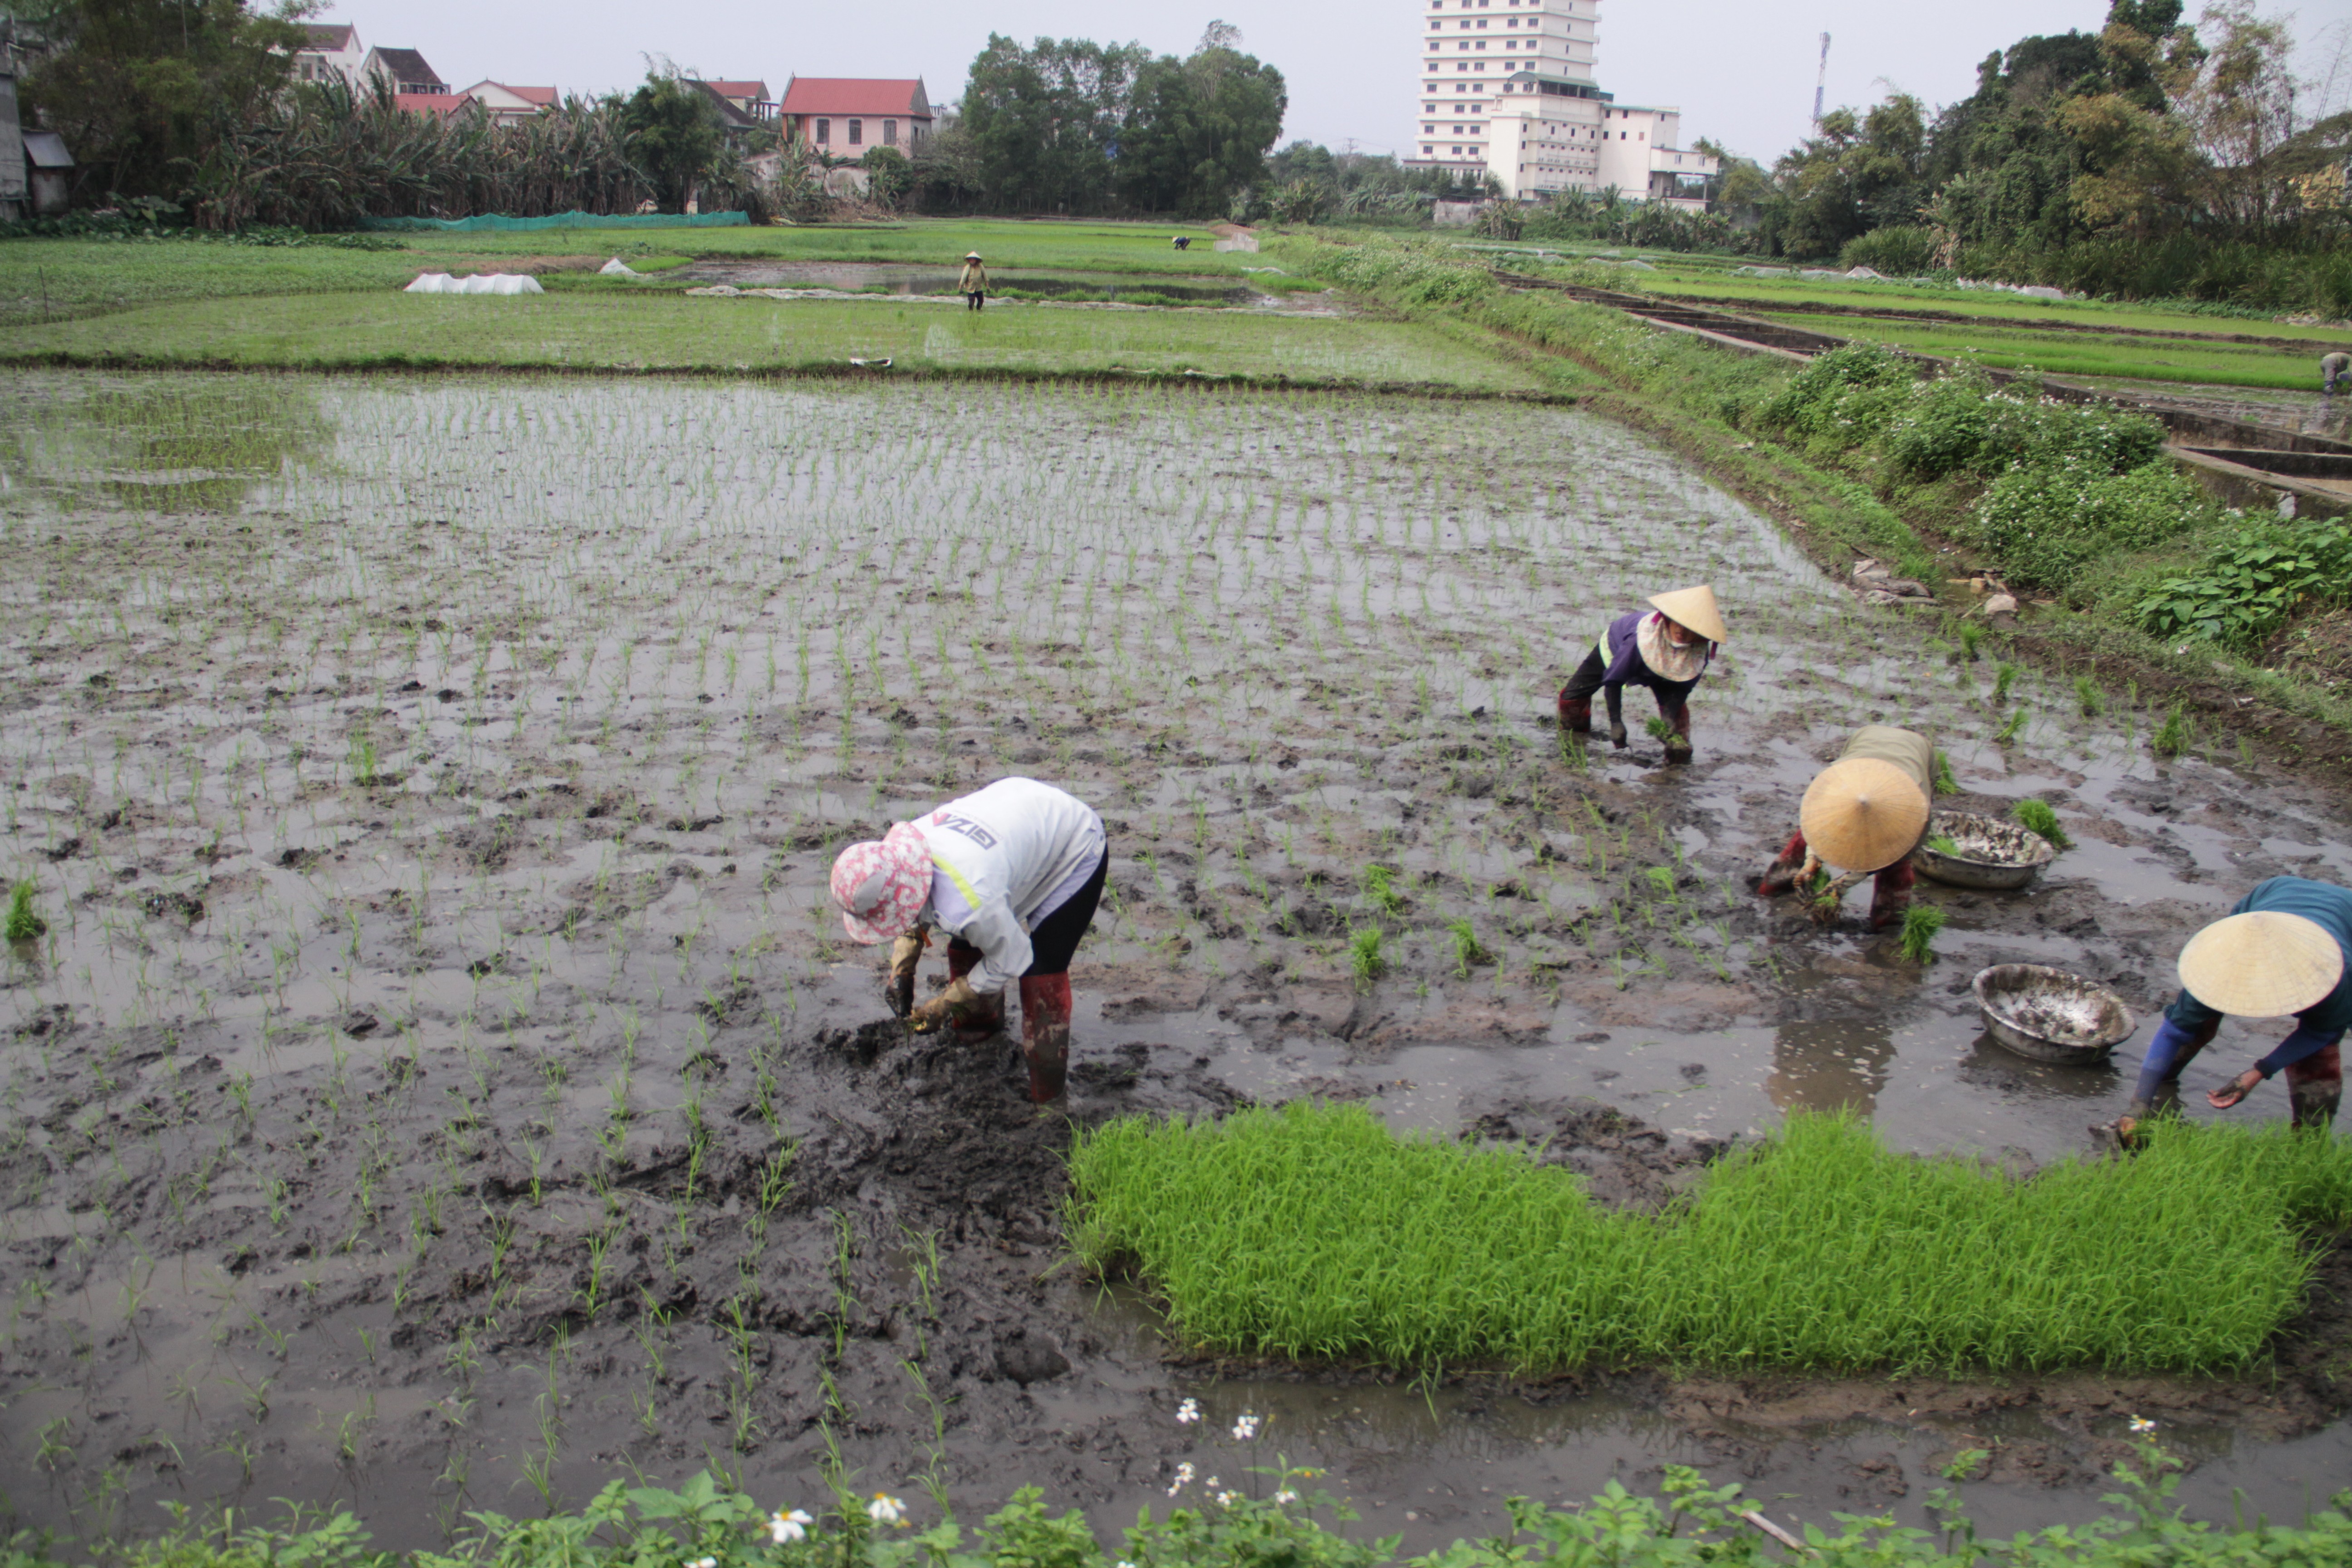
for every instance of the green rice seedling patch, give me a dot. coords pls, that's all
(575, 331)
(1314, 1233)
(2086, 353)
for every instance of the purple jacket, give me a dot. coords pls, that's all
(1626, 664)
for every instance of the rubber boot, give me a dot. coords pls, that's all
(1678, 744)
(1781, 876)
(1575, 713)
(1890, 894)
(1045, 1034)
(990, 1018)
(2315, 1087)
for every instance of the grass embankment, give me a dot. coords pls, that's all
(1312, 1233)
(387, 329)
(48, 279)
(2076, 508)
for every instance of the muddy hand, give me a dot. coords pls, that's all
(957, 1001)
(905, 955)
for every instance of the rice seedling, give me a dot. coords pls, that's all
(1381, 890)
(1945, 783)
(1467, 950)
(2004, 675)
(1917, 940)
(24, 925)
(1971, 634)
(2087, 693)
(1816, 1248)
(2173, 738)
(2036, 816)
(1365, 960)
(2010, 727)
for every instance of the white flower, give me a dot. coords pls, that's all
(784, 1529)
(887, 1510)
(1183, 1478)
(1187, 1412)
(2139, 1424)
(1245, 1429)
(704, 1562)
(1285, 1495)
(1227, 1500)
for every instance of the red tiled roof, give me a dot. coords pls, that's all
(753, 90)
(543, 96)
(856, 95)
(442, 103)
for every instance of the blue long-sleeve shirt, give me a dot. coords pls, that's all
(2323, 1023)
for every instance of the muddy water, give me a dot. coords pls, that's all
(440, 1084)
(892, 277)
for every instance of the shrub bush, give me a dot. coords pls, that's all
(1848, 396)
(1897, 250)
(2047, 522)
(2251, 582)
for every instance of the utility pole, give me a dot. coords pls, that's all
(1820, 81)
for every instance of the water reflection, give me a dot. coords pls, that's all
(1825, 1064)
(163, 446)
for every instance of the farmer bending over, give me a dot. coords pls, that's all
(2281, 950)
(974, 284)
(1667, 649)
(1012, 874)
(1865, 812)
(2333, 368)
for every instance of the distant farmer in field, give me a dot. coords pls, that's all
(1012, 874)
(1665, 647)
(2333, 368)
(974, 284)
(1863, 814)
(1183, 242)
(2280, 952)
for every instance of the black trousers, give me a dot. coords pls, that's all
(1672, 694)
(1055, 941)
(974, 299)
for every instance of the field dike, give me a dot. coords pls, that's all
(437, 1083)
(1841, 505)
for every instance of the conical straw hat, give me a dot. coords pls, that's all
(1862, 814)
(1694, 607)
(2265, 964)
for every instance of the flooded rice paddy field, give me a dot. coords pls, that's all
(441, 1083)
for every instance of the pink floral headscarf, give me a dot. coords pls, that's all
(881, 889)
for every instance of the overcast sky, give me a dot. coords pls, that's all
(1742, 70)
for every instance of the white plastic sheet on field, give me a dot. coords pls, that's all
(616, 268)
(476, 283)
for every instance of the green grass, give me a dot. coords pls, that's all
(671, 331)
(1311, 1233)
(44, 279)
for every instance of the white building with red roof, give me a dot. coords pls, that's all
(844, 115)
(506, 102)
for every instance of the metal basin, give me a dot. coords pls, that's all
(2051, 1015)
(1992, 855)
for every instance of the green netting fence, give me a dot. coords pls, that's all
(489, 223)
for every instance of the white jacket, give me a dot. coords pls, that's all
(1006, 857)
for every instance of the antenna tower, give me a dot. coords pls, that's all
(1820, 81)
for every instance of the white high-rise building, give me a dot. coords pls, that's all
(1508, 90)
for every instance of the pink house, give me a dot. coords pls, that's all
(844, 116)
